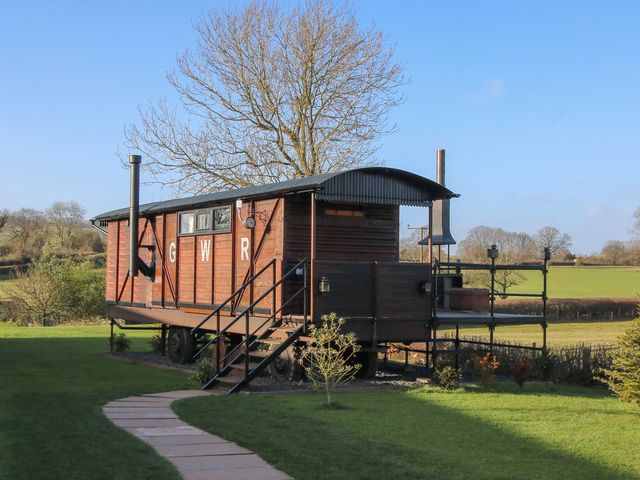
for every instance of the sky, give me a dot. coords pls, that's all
(536, 103)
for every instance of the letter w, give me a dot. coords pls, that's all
(205, 248)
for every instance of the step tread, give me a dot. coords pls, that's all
(240, 366)
(231, 379)
(260, 353)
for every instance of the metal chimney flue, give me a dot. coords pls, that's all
(440, 166)
(134, 213)
(441, 229)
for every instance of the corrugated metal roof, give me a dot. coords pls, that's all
(371, 185)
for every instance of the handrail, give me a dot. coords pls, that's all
(229, 354)
(237, 291)
(248, 343)
(264, 295)
(222, 331)
(492, 268)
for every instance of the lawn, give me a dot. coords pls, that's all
(555, 433)
(585, 282)
(559, 334)
(53, 383)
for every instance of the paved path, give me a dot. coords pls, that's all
(196, 454)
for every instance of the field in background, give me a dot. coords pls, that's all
(585, 282)
(559, 334)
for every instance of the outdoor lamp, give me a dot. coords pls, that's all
(546, 253)
(492, 252)
(324, 286)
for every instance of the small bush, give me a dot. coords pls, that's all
(448, 378)
(328, 361)
(486, 367)
(120, 342)
(623, 377)
(521, 371)
(156, 343)
(544, 365)
(205, 370)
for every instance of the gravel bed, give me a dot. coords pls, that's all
(157, 359)
(389, 375)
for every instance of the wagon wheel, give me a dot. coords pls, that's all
(286, 366)
(181, 345)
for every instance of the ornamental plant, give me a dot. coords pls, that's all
(486, 367)
(521, 371)
(448, 378)
(623, 377)
(328, 361)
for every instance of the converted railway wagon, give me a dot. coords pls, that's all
(241, 262)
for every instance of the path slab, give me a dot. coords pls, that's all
(196, 454)
(143, 414)
(198, 439)
(236, 474)
(199, 450)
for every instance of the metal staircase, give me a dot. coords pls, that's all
(262, 344)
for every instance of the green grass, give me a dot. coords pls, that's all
(561, 433)
(559, 334)
(585, 282)
(53, 384)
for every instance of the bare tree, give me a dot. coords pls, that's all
(614, 251)
(67, 219)
(636, 226)
(551, 238)
(27, 230)
(270, 94)
(4, 217)
(513, 247)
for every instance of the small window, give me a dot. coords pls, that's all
(187, 222)
(203, 221)
(222, 219)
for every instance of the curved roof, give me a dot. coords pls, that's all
(369, 185)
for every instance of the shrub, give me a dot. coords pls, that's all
(448, 378)
(521, 371)
(156, 343)
(623, 377)
(54, 290)
(205, 370)
(120, 342)
(544, 365)
(486, 367)
(328, 361)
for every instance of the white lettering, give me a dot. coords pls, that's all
(205, 249)
(244, 248)
(172, 252)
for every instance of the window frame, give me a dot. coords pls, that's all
(209, 231)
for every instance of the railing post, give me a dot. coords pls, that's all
(218, 342)
(273, 305)
(111, 338)
(492, 297)
(246, 352)
(457, 362)
(304, 295)
(163, 340)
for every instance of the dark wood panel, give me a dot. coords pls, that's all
(344, 232)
